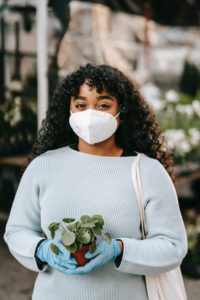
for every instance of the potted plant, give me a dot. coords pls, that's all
(80, 236)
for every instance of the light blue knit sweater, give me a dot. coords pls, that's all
(66, 183)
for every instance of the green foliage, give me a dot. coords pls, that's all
(192, 224)
(68, 220)
(78, 233)
(18, 126)
(53, 227)
(190, 79)
(68, 238)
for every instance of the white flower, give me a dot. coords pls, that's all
(185, 109)
(176, 134)
(194, 136)
(156, 104)
(177, 140)
(152, 95)
(184, 147)
(171, 96)
(196, 106)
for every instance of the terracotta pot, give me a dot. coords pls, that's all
(79, 255)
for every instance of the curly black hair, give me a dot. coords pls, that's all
(139, 130)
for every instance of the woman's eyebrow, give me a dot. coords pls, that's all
(98, 98)
(79, 98)
(105, 97)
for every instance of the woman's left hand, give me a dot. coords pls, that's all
(104, 253)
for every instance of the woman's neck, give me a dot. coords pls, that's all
(105, 148)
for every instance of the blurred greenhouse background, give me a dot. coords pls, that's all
(156, 42)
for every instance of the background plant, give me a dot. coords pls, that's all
(179, 118)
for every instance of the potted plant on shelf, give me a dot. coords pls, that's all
(80, 236)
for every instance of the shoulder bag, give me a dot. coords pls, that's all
(164, 286)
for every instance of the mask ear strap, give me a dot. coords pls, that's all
(117, 115)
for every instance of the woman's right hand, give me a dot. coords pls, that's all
(61, 261)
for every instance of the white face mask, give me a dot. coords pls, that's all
(93, 126)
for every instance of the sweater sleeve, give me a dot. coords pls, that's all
(23, 228)
(166, 243)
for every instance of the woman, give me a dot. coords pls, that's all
(81, 162)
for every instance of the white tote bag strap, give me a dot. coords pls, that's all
(138, 190)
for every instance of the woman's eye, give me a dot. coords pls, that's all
(105, 105)
(83, 105)
(79, 105)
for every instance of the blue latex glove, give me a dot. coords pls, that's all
(61, 262)
(104, 253)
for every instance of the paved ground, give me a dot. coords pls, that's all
(16, 282)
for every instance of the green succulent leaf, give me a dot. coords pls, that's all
(85, 237)
(68, 220)
(95, 221)
(78, 224)
(52, 231)
(71, 227)
(79, 245)
(99, 218)
(68, 238)
(52, 228)
(107, 237)
(86, 219)
(92, 248)
(72, 248)
(74, 226)
(54, 248)
(54, 224)
(88, 225)
(97, 230)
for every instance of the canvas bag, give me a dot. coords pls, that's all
(164, 286)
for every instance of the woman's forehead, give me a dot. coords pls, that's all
(85, 90)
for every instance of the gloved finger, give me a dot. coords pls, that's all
(79, 270)
(64, 265)
(63, 250)
(72, 260)
(67, 258)
(73, 272)
(93, 264)
(61, 261)
(91, 255)
(60, 268)
(71, 267)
